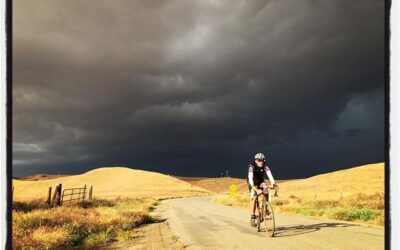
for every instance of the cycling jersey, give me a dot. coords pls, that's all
(256, 175)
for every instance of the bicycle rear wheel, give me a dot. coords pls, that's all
(269, 219)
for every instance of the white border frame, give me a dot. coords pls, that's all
(3, 130)
(394, 123)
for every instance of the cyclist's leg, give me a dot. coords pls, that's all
(252, 207)
(263, 186)
(252, 199)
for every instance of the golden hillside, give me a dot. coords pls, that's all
(111, 182)
(367, 179)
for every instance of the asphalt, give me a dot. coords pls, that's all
(199, 223)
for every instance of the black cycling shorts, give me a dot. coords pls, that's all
(258, 185)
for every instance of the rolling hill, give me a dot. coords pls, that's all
(111, 182)
(368, 179)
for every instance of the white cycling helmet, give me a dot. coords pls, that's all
(259, 156)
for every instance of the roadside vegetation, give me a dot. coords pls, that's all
(93, 223)
(354, 194)
(367, 208)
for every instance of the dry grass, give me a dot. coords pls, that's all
(355, 194)
(36, 226)
(112, 182)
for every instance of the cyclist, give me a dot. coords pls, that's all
(255, 180)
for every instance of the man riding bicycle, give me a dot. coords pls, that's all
(255, 180)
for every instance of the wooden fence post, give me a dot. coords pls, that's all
(59, 201)
(84, 193)
(91, 193)
(49, 197)
(57, 195)
(53, 200)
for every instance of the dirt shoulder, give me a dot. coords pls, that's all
(152, 236)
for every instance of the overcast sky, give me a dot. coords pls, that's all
(197, 87)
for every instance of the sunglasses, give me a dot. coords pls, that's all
(259, 160)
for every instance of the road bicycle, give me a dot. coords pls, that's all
(265, 211)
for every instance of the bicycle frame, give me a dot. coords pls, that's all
(265, 211)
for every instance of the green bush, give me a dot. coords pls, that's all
(356, 214)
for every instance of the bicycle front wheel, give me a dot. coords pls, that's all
(269, 219)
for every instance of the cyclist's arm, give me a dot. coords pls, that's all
(250, 176)
(270, 177)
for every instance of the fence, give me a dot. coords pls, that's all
(73, 195)
(68, 196)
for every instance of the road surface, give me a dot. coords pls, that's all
(200, 224)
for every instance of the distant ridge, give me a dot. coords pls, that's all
(38, 177)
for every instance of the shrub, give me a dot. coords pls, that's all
(356, 214)
(280, 202)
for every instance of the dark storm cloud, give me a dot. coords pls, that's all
(197, 87)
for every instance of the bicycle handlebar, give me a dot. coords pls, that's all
(269, 187)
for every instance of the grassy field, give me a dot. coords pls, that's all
(355, 194)
(36, 226)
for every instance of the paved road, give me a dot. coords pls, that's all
(201, 224)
